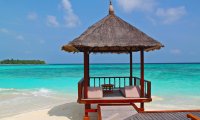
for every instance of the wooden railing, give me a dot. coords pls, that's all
(147, 89)
(80, 89)
(120, 82)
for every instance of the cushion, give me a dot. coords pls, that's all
(122, 90)
(132, 91)
(95, 92)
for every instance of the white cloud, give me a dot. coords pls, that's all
(67, 5)
(52, 21)
(71, 19)
(131, 5)
(175, 51)
(32, 16)
(20, 37)
(171, 15)
(3, 30)
(153, 12)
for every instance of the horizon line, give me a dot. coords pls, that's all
(128, 63)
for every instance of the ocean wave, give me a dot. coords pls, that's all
(6, 89)
(42, 92)
(27, 92)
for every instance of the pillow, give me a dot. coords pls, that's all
(132, 91)
(95, 92)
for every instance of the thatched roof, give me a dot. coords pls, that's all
(112, 34)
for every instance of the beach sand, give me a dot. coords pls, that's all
(67, 111)
(70, 110)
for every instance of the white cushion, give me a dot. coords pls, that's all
(95, 92)
(132, 91)
(122, 90)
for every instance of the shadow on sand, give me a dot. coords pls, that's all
(72, 111)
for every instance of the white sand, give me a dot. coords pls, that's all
(75, 111)
(68, 111)
(36, 115)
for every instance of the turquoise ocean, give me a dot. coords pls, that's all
(174, 86)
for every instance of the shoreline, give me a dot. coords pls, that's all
(39, 102)
(28, 102)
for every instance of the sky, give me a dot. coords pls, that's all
(37, 29)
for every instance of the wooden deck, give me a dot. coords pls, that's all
(127, 112)
(115, 112)
(115, 97)
(162, 116)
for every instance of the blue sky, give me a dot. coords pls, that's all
(36, 29)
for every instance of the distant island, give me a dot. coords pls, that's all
(12, 61)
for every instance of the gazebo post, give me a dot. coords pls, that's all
(86, 73)
(131, 69)
(142, 76)
(86, 82)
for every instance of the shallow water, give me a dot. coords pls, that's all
(176, 86)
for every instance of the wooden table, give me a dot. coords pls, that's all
(107, 88)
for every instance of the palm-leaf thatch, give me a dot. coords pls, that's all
(112, 34)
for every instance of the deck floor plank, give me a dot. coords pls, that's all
(128, 113)
(162, 116)
(182, 115)
(172, 116)
(176, 116)
(117, 112)
(152, 117)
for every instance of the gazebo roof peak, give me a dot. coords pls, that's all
(111, 9)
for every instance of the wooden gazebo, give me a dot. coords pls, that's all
(112, 35)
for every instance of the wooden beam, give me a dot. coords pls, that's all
(139, 110)
(131, 69)
(142, 75)
(101, 101)
(193, 117)
(86, 117)
(86, 73)
(91, 110)
(99, 112)
(88, 68)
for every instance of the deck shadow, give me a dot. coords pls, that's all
(72, 111)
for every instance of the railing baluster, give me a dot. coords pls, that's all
(109, 80)
(94, 82)
(149, 90)
(114, 83)
(99, 82)
(124, 82)
(145, 89)
(134, 81)
(104, 80)
(119, 82)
